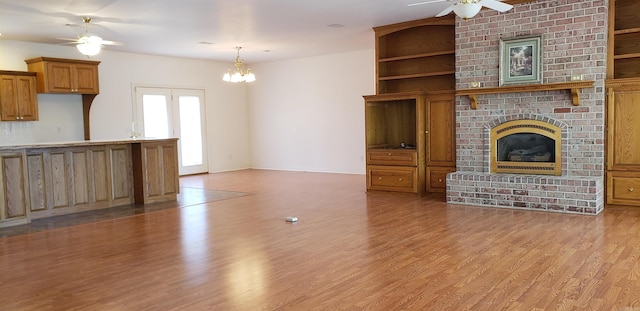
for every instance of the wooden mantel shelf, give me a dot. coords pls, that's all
(573, 86)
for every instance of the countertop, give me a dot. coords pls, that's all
(80, 143)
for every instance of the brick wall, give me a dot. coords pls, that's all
(574, 42)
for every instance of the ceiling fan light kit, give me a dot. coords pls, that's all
(467, 8)
(239, 75)
(89, 45)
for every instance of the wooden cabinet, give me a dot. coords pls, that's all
(120, 174)
(410, 123)
(18, 98)
(623, 141)
(441, 137)
(68, 76)
(623, 188)
(392, 178)
(155, 171)
(395, 141)
(437, 178)
(624, 39)
(14, 200)
(75, 179)
(65, 76)
(45, 180)
(416, 56)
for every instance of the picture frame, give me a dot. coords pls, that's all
(521, 60)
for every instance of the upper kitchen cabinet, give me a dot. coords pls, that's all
(18, 98)
(65, 76)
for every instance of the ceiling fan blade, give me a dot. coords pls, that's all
(107, 42)
(426, 2)
(445, 11)
(496, 5)
(68, 39)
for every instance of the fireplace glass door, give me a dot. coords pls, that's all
(526, 147)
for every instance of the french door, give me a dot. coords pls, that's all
(166, 112)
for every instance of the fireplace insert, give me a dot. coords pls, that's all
(526, 147)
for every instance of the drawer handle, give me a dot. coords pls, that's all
(440, 180)
(389, 154)
(379, 178)
(630, 189)
(399, 179)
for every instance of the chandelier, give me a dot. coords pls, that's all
(239, 75)
(467, 8)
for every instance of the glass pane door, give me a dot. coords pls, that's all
(192, 131)
(178, 113)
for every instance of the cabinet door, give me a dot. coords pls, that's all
(392, 178)
(623, 188)
(27, 99)
(59, 78)
(441, 150)
(86, 79)
(18, 99)
(437, 178)
(623, 145)
(155, 167)
(14, 201)
(8, 98)
(120, 170)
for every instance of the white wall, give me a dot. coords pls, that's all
(308, 114)
(302, 114)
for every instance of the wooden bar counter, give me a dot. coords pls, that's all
(48, 179)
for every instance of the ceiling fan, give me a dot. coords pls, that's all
(469, 8)
(89, 44)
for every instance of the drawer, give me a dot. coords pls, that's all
(400, 157)
(623, 188)
(392, 178)
(437, 177)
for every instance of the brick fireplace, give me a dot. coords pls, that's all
(573, 44)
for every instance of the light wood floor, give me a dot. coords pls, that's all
(350, 250)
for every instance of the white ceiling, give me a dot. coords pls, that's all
(285, 28)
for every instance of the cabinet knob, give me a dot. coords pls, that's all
(399, 179)
(631, 189)
(379, 178)
(389, 154)
(440, 180)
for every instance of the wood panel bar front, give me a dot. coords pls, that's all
(49, 179)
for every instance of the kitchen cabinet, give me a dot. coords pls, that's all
(14, 200)
(18, 98)
(68, 76)
(79, 178)
(155, 171)
(65, 76)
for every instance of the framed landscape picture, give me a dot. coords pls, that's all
(520, 61)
